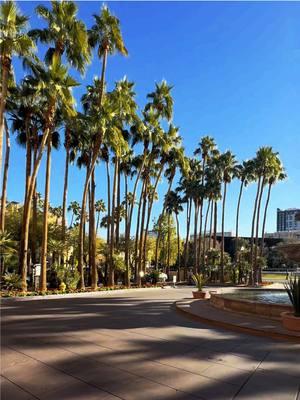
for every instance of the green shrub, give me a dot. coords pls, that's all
(153, 276)
(70, 277)
(11, 281)
(119, 263)
(62, 287)
(293, 290)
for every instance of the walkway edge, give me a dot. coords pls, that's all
(97, 293)
(183, 307)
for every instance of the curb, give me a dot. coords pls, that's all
(233, 327)
(97, 293)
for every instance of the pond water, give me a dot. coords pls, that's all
(261, 296)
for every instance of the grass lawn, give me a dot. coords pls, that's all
(274, 276)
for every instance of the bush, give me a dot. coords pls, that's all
(70, 277)
(12, 281)
(153, 277)
(293, 290)
(119, 263)
(62, 287)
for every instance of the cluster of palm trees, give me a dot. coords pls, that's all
(141, 147)
(204, 185)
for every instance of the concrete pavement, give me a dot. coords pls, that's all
(134, 346)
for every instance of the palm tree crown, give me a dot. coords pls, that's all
(67, 34)
(106, 34)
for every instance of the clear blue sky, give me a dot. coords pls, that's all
(235, 68)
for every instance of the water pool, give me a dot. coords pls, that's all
(261, 296)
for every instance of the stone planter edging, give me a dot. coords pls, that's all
(249, 306)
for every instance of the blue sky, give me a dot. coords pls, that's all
(235, 67)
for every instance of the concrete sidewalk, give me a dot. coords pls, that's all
(134, 346)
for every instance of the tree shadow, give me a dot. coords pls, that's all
(138, 347)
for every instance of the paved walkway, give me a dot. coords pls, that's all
(135, 346)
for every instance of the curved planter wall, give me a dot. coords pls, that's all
(249, 306)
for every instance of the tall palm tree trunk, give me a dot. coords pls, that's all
(263, 230)
(186, 245)
(169, 246)
(27, 177)
(93, 265)
(34, 208)
(200, 235)
(137, 234)
(5, 176)
(256, 232)
(178, 245)
(204, 234)
(196, 214)
(158, 233)
(211, 224)
(251, 277)
(90, 227)
(157, 243)
(108, 220)
(215, 224)
(43, 283)
(97, 223)
(265, 220)
(6, 65)
(142, 232)
(95, 154)
(237, 222)
(65, 192)
(131, 207)
(112, 226)
(118, 209)
(149, 215)
(82, 233)
(223, 226)
(127, 273)
(27, 206)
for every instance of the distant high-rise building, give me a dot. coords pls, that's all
(288, 220)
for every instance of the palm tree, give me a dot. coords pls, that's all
(227, 165)
(161, 101)
(55, 84)
(206, 149)
(244, 172)
(186, 186)
(14, 42)
(5, 176)
(175, 159)
(128, 171)
(169, 146)
(263, 161)
(173, 204)
(99, 208)
(74, 207)
(7, 247)
(24, 106)
(276, 174)
(50, 142)
(75, 134)
(105, 34)
(65, 32)
(124, 106)
(212, 188)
